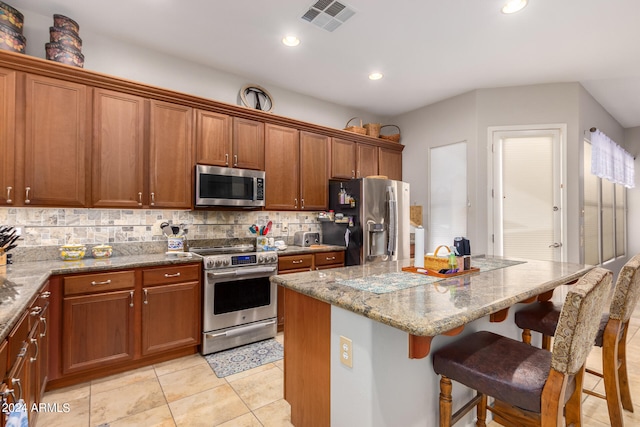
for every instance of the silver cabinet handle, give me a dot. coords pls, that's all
(34, 358)
(44, 320)
(357, 174)
(26, 196)
(45, 294)
(296, 261)
(353, 173)
(172, 275)
(131, 295)
(153, 199)
(330, 259)
(36, 310)
(302, 206)
(17, 381)
(106, 282)
(9, 195)
(235, 160)
(146, 294)
(226, 159)
(139, 198)
(295, 202)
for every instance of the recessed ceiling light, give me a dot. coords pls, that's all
(375, 76)
(291, 41)
(513, 6)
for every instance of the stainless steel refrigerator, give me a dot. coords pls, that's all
(371, 219)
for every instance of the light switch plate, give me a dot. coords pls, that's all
(346, 351)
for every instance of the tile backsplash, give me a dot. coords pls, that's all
(42, 227)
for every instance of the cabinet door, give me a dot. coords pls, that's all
(170, 155)
(343, 159)
(390, 162)
(118, 149)
(282, 166)
(314, 171)
(367, 161)
(56, 142)
(170, 317)
(7, 136)
(248, 144)
(97, 330)
(213, 138)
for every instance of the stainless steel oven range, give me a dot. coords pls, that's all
(239, 300)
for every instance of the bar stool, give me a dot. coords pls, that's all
(611, 337)
(530, 386)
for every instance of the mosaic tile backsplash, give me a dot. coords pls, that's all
(49, 228)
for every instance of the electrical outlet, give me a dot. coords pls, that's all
(346, 351)
(285, 227)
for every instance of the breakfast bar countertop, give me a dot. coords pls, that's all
(428, 306)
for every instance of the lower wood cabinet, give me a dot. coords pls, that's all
(114, 321)
(304, 262)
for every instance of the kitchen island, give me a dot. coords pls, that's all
(392, 316)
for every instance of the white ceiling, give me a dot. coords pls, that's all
(428, 50)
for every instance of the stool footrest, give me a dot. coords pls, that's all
(466, 408)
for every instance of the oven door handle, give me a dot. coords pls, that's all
(238, 331)
(245, 271)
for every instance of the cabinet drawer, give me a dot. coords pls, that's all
(92, 283)
(329, 258)
(17, 338)
(172, 274)
(294, 262)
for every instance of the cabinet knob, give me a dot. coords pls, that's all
(26, 196)
(9, 201)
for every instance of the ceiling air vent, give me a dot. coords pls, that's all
(328, 14)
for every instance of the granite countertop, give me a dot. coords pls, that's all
(297, 250)
(425, 306)
(20, 282)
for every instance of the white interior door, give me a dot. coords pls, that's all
(527, 194)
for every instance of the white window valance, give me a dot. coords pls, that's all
(610, 161)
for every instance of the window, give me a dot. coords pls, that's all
(604, 207)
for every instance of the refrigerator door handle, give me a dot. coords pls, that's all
(393, 221)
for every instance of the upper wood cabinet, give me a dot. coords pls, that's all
(282, 168)
(390, 162)
(296, 168)
(248, 144)
(213, 138)
(366, 160)
(117, 167)
(56, 148)
(7, 136)
(343, 159)
(314, 171)
(170, 155)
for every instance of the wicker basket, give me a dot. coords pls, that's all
(435, 262)
(395, 137)
(373, 129)
(355, 129)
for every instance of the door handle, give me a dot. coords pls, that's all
(555, 245)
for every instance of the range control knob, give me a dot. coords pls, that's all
(273, 258)
(218, 262)
(210, 264)
(261, 259)
(225, 262)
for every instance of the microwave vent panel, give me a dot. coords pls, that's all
(328, 14)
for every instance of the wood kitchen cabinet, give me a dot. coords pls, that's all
(390, 162)
(117, 166)
(7, 136)
(353, 160)
(170, 155)
(98, 320)
(213, 138)
(248, 144)
(304, 262)
(296, 169)
(56, 143)
(170, 308)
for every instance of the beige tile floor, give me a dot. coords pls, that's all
(186, 392)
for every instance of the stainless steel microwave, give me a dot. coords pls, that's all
(216, 186)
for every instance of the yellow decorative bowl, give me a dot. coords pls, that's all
(72, 252)
(101, 251)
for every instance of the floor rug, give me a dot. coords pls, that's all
(248, 356)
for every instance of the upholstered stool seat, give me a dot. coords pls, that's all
(530, 386)
(611, 337)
